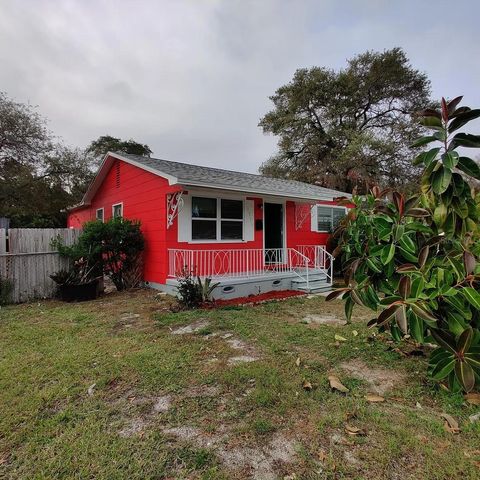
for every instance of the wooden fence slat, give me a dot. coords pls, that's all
(31, 260)
(3, 240)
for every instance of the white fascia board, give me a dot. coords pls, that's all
(254, 191)
(171, 179)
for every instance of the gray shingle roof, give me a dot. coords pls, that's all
(195, 175)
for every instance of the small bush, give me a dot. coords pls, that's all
(114, 248)
(6, 288)
(190, 295)
(193, 292)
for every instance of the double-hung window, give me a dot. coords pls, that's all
(328, 217)
(117, 210)
(217, 219)
(99, 214)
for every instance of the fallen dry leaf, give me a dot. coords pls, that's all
(351, 430)
(350, 415)
(339, 338)
(307, 385)
(322, 455)
(337, 385)
(354, 333)
(451, 425)
(374, 398)
(297, 362)
(472, 398)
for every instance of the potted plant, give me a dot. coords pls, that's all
(77, 284)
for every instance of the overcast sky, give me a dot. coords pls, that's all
(192, 78)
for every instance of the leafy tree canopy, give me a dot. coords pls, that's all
(107, 143)
(348, 128)
(39, 176)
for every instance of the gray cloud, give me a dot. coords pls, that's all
(192, 78)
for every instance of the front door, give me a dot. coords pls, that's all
(273, 231)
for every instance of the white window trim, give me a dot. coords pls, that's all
(103, 214)
(338, 207)
(121, 209)
(218, 219)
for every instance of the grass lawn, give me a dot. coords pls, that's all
(224, 401)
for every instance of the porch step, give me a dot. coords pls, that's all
(317, 284)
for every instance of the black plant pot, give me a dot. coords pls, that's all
(79, 293)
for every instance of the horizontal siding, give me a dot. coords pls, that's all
(143, 195)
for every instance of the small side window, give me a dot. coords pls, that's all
(117, 210)
(99, 215)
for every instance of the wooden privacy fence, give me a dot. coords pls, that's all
(27, 259)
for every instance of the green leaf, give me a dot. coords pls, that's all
(416, 328)
(440, 214)
(390, 299)
(407, 255)
(470, 167)
(460, 208)
(387, 253)
(441, 180)
(443, 368)
(426, 157)
(372, 264)
(463, 119)
(465, 140)
(349, 309)
(465, 375)
(407, 244)
(422, 312)
(445, 340)
(431, 122)
(465, 340)
(458, 184)
(455, 323)
(417, 287)
(472, 296)
(450, 159)
(473, 359)
(423, 141)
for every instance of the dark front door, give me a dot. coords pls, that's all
(273, 230)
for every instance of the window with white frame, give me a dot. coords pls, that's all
(117, 210)
(99, 214)
(328, 217)
(217, 219)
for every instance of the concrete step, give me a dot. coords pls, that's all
(315, 277)
(313, 286)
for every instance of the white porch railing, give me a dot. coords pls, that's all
(321, 259)
(247, 263)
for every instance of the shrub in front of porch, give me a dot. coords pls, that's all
(114, 247)
(415, 261)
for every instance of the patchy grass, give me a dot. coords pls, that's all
(172, 406)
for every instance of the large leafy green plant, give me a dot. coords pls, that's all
(415, 261)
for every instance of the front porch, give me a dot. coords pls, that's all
(243, 272)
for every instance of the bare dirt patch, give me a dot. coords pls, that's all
(323, 320)
(139, 411)
(257, 462)
(191, 328)
(248, 352)
(379, 380)
(202, 391)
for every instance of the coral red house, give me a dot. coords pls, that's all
(249, 232)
